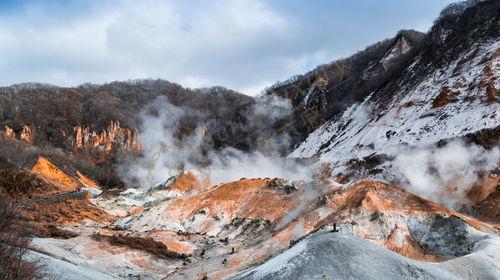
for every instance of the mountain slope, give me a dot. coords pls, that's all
(53, 115)
(449, 90)
(330, 89)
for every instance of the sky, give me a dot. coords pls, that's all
(245, 45)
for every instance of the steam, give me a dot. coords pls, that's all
(298, 231)
(311, 192)
(445, 175)
(232, 164)
(267, 109)
(272, 106)
(162, 152)
(165, 155)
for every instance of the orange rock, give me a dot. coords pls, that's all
(179, 247)
(52, 173)
(86, 181)
(134, 211)
(190, 181)
(247, 198)
(27, 134)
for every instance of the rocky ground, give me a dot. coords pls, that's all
(187, 228)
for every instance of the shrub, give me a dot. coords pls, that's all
(14, 241)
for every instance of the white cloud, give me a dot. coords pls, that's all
(245, 45)
(198, 45)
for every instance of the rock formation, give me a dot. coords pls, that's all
(114, 136)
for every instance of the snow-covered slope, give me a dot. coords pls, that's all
(327, 255)
(450, 101)
(449, 88)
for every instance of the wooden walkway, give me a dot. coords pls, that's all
(78, 194)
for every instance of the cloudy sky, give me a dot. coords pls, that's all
(245, 45)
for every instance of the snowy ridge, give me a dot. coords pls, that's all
(410, 117)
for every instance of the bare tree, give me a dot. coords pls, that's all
(14, 241)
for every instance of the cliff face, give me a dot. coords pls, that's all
(9, 132)
(92, 127)
(114, 136)
(84, 138)
(26, 134)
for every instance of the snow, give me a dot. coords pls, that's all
(132, 197)
(284, 263)
(151, 219)
(310, 92)
(409, 119)
(343, 256)
(65, 270)
(481, 264)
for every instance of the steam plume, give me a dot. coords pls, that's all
(445, 175)
(164, 153)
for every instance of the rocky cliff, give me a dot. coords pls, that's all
(114, 136)
(84, 138)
